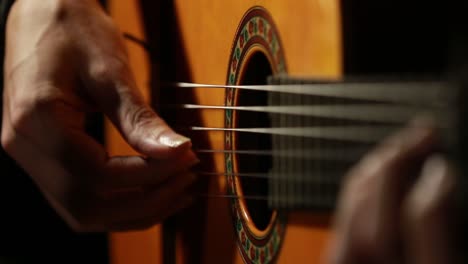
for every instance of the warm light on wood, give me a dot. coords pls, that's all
(311, 38)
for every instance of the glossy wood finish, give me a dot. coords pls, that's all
(310, 32)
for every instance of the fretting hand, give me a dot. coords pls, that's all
(385, 217)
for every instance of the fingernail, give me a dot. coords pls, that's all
(435, 174)
(434, 183)
(172, 139)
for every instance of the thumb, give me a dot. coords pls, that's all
(115, 92)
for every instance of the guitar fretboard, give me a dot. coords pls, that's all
(341, 122)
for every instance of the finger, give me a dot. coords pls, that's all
(398, 169)
(426, 214)
(367, 221)
(123, 172)
(73, 173)
(147, 204)
(176, 206)
(355, 223)
(110, 84)
(114, 90)
(415, 140)
(396, 173)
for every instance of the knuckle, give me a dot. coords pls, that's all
(106, 69)
(100, 72)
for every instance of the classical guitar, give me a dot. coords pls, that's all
(259, 87)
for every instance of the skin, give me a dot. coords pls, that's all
(64, 59)
(395, 205)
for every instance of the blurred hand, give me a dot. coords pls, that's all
(65, 58)
(395, 206)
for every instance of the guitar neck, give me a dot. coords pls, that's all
(295, 139)
(329, 126)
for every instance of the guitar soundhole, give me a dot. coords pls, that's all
(256, 71)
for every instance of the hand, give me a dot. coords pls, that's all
(65, 58)
(391, 210)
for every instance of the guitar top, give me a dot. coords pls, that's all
(262, 89)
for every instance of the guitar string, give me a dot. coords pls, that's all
(316, 201)
(341, 154)
(430, 93)
(401, 96)
(340, 133)
(250, 152)
(260, 175)
(233, 196)
(368, 112)
(311, 202)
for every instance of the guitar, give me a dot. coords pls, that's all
(205, 66)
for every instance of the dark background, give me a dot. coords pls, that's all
(404, 37)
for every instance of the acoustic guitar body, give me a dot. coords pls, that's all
(225, 43)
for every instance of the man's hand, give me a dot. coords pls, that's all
(395, 206)
(65, 58)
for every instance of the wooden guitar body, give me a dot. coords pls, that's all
(224, 42)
